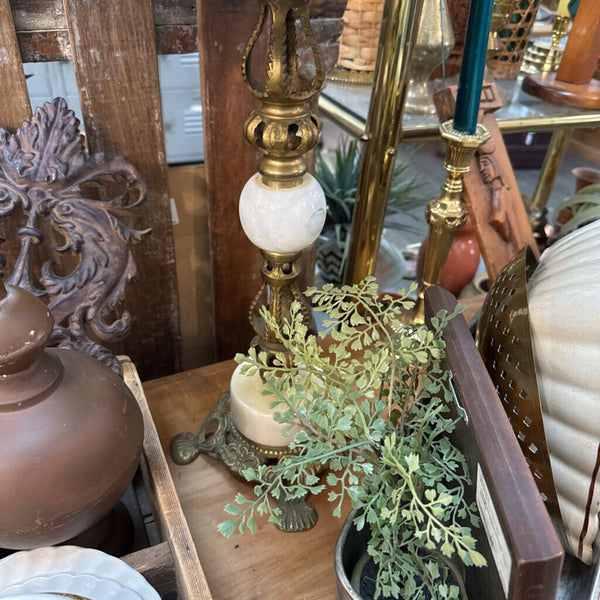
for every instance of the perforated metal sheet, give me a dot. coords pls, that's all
(504, 341)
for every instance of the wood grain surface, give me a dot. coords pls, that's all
(580, 59)
(191, 581)
(116, 66)
(15, 109)
(270, 565)
(225, 28)
(489, 442)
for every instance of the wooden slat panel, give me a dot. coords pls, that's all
(191, 581)
(224, 28)
(115, 63)
(41, 46)
(16, 108)
(15, 105)
(42, 27)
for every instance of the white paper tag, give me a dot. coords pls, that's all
(174, 215)
(493, 529)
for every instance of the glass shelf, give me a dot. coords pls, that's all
(347, 105)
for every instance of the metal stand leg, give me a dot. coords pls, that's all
(384, 126)
(554, 157)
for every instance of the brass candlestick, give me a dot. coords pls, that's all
(282, 210)
(447, 213)
(560, 28)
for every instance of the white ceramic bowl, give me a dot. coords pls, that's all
(71, 570)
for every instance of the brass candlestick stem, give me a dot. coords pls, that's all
(447, 213)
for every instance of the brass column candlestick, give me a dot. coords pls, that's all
(282, 210)
(560, 28)
(447, 213)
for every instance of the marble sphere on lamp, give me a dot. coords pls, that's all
(283, 220)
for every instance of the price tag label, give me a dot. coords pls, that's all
(493, 530)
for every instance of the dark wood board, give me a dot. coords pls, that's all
(224, 28)
(114, 52)
(533, 556)
(42, 34)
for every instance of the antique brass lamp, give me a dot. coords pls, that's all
(282, 209)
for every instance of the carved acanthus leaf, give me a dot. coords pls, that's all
(44, 168)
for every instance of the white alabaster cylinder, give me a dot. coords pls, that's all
(252, 414)
(282, 220)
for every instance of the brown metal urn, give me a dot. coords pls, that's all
(71, 432)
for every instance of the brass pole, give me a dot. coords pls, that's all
(552, 161)
(399, 26)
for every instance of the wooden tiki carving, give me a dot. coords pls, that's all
(491, 192)
(45, 171)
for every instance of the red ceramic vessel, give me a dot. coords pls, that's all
(71, 432)
(462, 262)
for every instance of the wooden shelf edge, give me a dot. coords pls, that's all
(191, 581)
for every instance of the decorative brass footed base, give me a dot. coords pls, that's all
(219, 438)
(447, 213)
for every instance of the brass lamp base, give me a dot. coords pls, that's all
(219, 438)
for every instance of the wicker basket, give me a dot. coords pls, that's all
(358, 43)
(513, 35)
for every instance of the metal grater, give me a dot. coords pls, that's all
(504, 342)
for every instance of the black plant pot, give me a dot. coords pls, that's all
(351, 547)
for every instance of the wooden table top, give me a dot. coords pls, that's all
(268, 565)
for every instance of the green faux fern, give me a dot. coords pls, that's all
(373, 409)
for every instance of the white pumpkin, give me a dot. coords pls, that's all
(564, 307)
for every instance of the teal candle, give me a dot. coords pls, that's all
(473, 64)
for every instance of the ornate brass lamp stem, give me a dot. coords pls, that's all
(282, 210)
(283, 129)
(447, 213)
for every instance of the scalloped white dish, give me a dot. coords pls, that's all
(32, 597)
(72, 570)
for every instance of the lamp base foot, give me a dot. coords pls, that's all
(219, 438)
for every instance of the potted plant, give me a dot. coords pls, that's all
(339, 181)
(371, 404)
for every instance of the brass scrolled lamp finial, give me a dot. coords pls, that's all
(282, 210)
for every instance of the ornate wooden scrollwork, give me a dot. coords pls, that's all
(45, 170)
